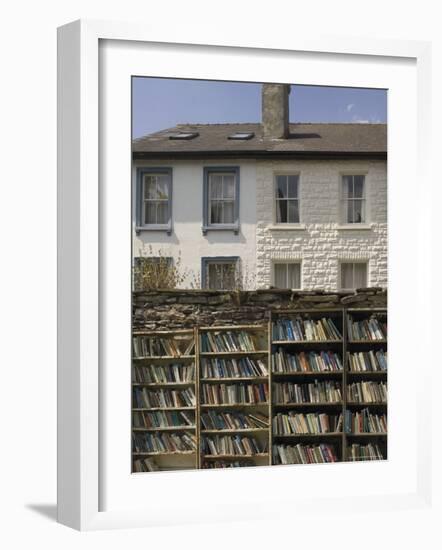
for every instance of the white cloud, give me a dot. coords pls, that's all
(358, 119)
(350, 107)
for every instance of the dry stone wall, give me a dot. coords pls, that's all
(175, 309)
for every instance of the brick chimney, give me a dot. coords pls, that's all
(275, 111)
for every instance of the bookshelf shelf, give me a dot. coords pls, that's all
(367, 373)
(377, 341)
(367, 404)
(163, 384)
(165, 453)
(234, 457)
(145, 409)
(307, 435)
(368, 434)
(233, 379)
(325, 374)
(235, 431)
(302, 405)
(232, 405)
(232, 353)
(165, 429)
(263, 352)
(165, 358)
(306, 342)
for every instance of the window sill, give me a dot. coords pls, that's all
(287, 227)
(355, 227)
(165, 228)
(234, 227)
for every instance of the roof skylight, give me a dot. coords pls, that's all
(241, 135)
(184, 135)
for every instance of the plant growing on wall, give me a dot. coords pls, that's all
(157, 271)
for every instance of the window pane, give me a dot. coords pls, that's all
(216, 186)
(360, 275)
(348, 187)
(228, 207)
(281, 187)
(221, 276)
(162, 187)
(293, 187)
(228, 279)
(281, 211)
(345, 188)
(162, 212)
(358, 186)
(293, 212)
(214, 276)
(358, 211)
(280, 275)
(347, 276)
(215, 212)
(229, 187)
(294, 275)
(150, 187)
(350, 214)
(150, 212)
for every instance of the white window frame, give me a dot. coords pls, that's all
(286, 225)
(344, 223)
(287, 262)
(342, 262)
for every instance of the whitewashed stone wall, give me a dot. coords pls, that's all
(322, 243)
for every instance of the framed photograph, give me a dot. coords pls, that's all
(231, 221)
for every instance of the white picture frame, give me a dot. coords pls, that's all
(82, 298)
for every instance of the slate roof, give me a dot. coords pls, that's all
(305, 140)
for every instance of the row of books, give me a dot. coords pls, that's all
(164, 374)
(312, 423)
(227, 341)
(212, 420)
(368, 361)
(156, 346)
(236, 445)
(325, 361)
(146, 464)
(146, 399)
(299, 329)
(213, 464)
(365, 422)
(163, 419)
(164, 442)
(316, 392)
(367, 392)
(357, 452)
(218, 394)
(366, 329)
(233, 368)
(304, 454)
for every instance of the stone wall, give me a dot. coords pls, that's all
(174, 309)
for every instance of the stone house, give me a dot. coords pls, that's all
(300, 206)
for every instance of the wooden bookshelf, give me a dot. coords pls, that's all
(212, 359)
(293, 347)
(166, 373)
(355, 345)
(264, 348)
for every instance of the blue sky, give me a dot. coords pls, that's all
(160, 103)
